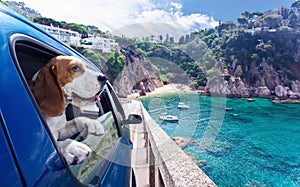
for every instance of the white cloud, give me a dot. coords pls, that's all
(115, 14)
(176, 5)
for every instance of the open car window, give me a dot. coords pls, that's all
(30, 56)
(102, 146)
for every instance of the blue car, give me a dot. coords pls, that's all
(28, 153)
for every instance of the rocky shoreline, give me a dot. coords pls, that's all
(279, 98)
(278, 89)
(280, 94)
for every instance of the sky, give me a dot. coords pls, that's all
(117, 15)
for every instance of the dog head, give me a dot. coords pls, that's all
(65, 76)
(83, 89)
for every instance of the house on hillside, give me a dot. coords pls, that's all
(67, 36)
(74, 38)
(94, 42)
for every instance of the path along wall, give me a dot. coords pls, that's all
(168, 165)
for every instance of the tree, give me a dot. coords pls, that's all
(75, 27)
(247, 14)
(172, 40)
(264, 50)
(47, 21)
(167, 40)
(115, 65)
(284, 12)
(243, 21)
(160, 38)
(273, 21)
(293, 20)
(296, 5)
(187, 38)
(3, 2)
(195, 49)
(257, 13)
(181, 40)
(228, 25)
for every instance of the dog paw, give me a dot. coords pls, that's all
(93, 126)
(74, 152)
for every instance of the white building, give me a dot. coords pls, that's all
(104, 44)
(68, 36)
(155, 39)
(74, 38)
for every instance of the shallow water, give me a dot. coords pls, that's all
(237, 143)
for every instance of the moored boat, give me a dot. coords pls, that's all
(250, 99)
(181, 105)
(169, 118)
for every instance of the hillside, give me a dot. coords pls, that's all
(259, 55)
(23, 10)
(36, 17)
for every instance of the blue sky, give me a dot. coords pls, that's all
(116, 14)
(225, 10)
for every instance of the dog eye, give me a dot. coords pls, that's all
(76, 68)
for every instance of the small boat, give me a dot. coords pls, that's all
(250, 99)
(169, 118)
(181, 105)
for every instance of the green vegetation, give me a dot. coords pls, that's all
(260, 38)
(3, 2)
(110, 63)
(254, 41)
(82, 29)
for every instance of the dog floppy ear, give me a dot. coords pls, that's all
(47, 91)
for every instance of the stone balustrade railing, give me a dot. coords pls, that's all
(166, 164)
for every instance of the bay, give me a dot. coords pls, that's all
(236, 142)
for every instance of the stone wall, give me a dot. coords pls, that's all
(168, 164)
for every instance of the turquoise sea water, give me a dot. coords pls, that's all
(236, 142)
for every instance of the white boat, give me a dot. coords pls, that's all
(168, 118)
(183, 106)
(250, 99)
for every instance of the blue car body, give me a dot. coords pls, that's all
(28, 155)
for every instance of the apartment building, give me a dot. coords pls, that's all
(67, 36)
(104, 44)
(74, 38)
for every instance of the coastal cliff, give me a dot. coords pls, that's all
(269, 82)
(259, 56)
(266, 77)
(135, 77)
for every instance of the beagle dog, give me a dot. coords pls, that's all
(62, 81)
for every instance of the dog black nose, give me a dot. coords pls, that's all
(102, 78)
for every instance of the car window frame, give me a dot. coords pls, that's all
(19, 37)
(45, 48)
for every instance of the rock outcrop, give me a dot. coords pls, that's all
(270, 83)
(231, 87)
(133, 74)
(262, 91)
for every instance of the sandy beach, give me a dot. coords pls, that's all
(169, 88)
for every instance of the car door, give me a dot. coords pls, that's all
(30, 145)
(27, 49)
(110, 164)
(9, 167)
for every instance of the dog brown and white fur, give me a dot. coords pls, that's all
(66, 80)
